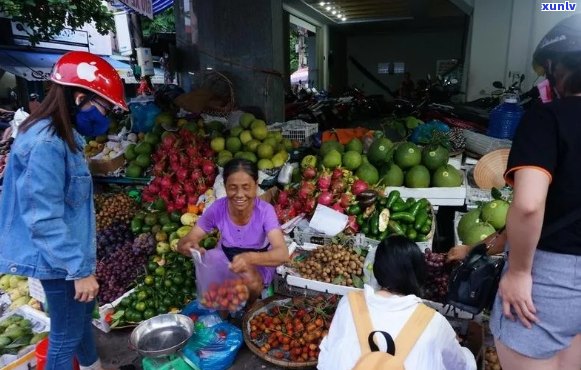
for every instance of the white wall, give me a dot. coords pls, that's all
(419, 50)
(504, 36)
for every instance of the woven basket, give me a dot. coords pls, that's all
(481, 144)
(256, 309)
(489, 170)
(222, 101)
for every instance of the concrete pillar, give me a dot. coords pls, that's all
(243, 40)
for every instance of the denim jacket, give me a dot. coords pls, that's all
(47, 217)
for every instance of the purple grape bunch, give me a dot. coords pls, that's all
(437, 275)
(118, 271)
(143, 244)
(112, 238)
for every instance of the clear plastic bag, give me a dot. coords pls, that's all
(218, 288)
(368, 277)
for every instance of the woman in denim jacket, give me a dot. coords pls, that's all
(48, 218)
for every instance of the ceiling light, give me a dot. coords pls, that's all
(328, 8)
(322, 3)
(334, 12)
(344, 19)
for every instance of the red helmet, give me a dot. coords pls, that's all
(90, 72)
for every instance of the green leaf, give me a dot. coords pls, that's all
(357, 281)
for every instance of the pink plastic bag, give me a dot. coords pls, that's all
(218, 288)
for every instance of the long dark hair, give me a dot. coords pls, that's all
(239, 164)
(58, 105)
(399, 266)
(572, 79)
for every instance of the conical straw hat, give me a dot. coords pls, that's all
(490, 169)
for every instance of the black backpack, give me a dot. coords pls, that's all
(473, 284)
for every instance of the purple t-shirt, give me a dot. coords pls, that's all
(253, 235)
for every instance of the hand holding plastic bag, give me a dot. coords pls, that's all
(217, 286)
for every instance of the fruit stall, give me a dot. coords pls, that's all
(153, 186)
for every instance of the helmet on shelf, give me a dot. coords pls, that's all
(562, 40)
(90, 72)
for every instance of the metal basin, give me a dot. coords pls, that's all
(162, 335)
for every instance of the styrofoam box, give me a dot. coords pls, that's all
(319, 286)
(437, 196)
(106, 309)
(456, 161)
(26, 358)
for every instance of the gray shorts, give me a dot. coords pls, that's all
(557, 299)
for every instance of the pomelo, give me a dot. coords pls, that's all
(332, 159)
(245, 136)
(133, 170)
(368, 173)
(264, 151)
(265, 164)
(217, 144)
(223, 158)
(251, 145)
(143, 160)
(279, 159)
(354, 145)
(246, 119)
(446, 176)
(143, 148)
(434, 156)
(130, 152)
(236, 131)
(477, 233)
(327, 146)
(288, 144)
(417, 177)
(259, 132)
(271, 141)
(393, 176)
(407, 155)
(233, 144)
(468, 220)
(352, 160)
(495, 213)
(151, 138)
(379, 150)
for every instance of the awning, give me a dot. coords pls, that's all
(29, 65)
(157, 5)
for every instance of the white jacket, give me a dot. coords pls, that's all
(436, 349)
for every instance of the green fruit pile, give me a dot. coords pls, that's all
(16, 333)
(251, 140)
(414, 167)
(138, 155)
(168, 286)
(481, 222)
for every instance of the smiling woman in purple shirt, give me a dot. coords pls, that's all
(251, 239)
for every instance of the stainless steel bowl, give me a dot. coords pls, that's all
(162, 335)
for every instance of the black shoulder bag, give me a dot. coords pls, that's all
(473, 284)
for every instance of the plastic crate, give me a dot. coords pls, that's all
(298, 130)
